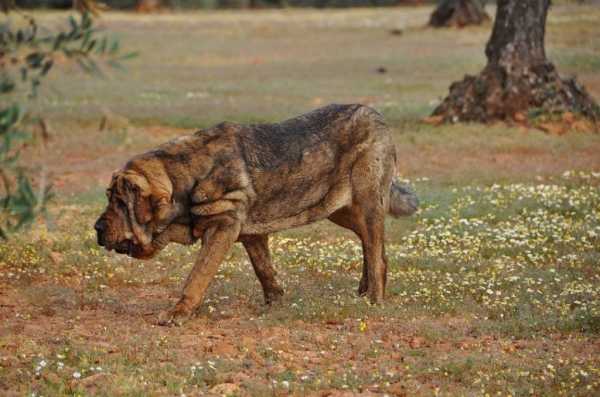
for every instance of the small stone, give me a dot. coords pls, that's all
(225, 388)
(581, 126)
(224, 349)
(239, 378)
(552, 128)
(433, 120)
(57, 258)
(415, 343)
(94, 380)
(286, 347)
(568, 117)
(519, 117)
(397, 389)
(51, 378)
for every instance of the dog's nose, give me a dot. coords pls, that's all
(99, 226)
(100, 229)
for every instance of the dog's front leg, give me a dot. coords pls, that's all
(216, 241)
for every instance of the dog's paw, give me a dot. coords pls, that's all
(373, 297)
(173, 318)
(370, 293)
(273, 296)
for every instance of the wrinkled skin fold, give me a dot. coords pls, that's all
(242, 182)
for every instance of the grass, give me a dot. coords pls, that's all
(492, 287)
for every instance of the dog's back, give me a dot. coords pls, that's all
(303, 169)
(334, 128)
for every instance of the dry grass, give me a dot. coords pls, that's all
(493, 286)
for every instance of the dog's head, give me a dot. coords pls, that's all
(138, 205)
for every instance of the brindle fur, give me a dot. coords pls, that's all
(242, 182)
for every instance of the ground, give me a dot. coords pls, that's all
(492, 287)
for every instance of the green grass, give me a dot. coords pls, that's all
(492, 287)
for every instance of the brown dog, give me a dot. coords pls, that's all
(241, 182)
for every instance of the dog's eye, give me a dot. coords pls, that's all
(120, 203)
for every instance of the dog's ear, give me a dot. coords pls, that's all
(150, 198)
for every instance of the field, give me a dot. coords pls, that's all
(493, 286)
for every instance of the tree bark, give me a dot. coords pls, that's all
(457, 13)
(518, 81)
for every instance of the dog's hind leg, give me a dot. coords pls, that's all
(375, 259)
(257, 247)
(371, 233)
(345, 218)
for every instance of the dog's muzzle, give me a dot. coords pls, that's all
(121, 247)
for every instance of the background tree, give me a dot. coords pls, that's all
(518, 82)
(458, 13)
(25, 59)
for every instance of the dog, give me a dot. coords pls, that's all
(239, 183)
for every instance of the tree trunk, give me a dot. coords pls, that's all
(518, 82)
(457, 13)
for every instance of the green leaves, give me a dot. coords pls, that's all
(47, 65)
(5, 27)
(7, 84)
(86, 46)
(26, 205)
(58, 40)
(15, 180)
(27, 58)
(13, 118)
(34, 57)
(14, 39)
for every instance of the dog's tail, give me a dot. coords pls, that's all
(403, 200)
